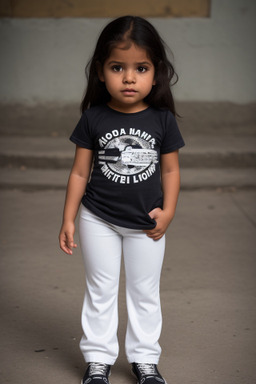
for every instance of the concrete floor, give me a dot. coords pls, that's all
(208, 292)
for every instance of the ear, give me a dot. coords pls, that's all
(100, 72)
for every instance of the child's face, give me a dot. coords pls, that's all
(129, 76)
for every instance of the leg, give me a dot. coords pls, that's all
(101, 248)
(143, 259)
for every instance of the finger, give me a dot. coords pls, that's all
(158, 236)
(65, 248)
(154, 230)
(155, 235)
(154, 212)
(65, 244)
(71, 243)
(70, 240)
(149, 233)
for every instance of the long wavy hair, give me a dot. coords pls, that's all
(131, 29)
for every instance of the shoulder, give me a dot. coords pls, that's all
(93, 111)
(94, 115)
(162, 112)
(165, 116)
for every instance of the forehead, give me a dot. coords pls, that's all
(131, 53)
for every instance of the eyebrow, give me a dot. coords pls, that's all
(121, 63)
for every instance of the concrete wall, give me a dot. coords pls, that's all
(42, 60)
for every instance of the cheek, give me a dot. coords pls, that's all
(112, 86)
(149, 82)
(113, 81)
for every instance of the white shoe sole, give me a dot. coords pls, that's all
(89, 383)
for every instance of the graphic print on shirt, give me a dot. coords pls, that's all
(127, 156)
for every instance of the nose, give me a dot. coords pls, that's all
(129, 77)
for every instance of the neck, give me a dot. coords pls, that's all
(128, 108)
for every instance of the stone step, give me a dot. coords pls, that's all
(191, 178)
(201, 151)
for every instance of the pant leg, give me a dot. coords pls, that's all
(143, 258)
(102, 248)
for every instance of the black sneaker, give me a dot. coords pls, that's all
(147, 373)
(96, 373)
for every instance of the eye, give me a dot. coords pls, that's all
(116, 68)
(142, 69)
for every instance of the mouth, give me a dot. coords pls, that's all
(129, 91)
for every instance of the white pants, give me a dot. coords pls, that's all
(102, 245)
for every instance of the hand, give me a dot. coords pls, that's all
(162, 221)
(66, 238)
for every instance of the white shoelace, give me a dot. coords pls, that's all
(146, 369)
(98, 369)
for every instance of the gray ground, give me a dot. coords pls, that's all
(208, 280)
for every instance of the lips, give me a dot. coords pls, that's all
(129, 91)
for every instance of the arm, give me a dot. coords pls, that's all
(79, 176)
(170, 177)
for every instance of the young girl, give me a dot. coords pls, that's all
(129, 138)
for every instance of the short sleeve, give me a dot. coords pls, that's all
(81, 134)
(172, 139)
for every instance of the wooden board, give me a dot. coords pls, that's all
(104, 8)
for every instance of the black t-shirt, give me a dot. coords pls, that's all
(125, 183)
